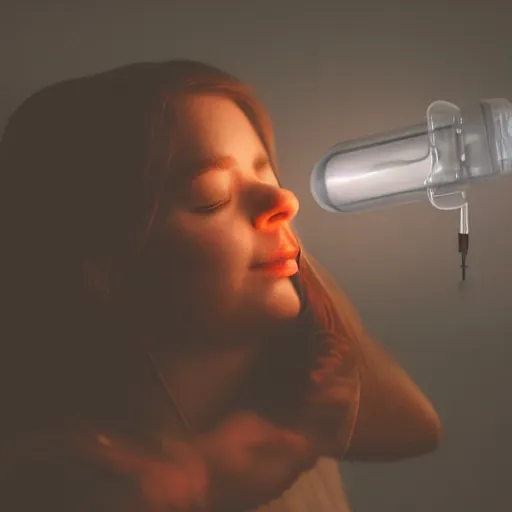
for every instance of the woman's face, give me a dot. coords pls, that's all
(225, 251)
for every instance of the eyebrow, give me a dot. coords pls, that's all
(224, 162)
(227, 162)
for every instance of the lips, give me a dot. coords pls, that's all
(282, 264)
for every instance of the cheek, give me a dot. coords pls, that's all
(211, 255)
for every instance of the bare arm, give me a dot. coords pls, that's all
(394, 419)
(244, 463)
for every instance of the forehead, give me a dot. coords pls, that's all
(212, 126)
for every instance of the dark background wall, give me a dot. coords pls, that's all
(329, 71)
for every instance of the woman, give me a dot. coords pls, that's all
(168, 343)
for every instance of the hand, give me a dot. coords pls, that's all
(251, 461)
(244, 463)
(178, 483)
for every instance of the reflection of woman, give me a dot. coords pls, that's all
(162, 351)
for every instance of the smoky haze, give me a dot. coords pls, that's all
(330, 71)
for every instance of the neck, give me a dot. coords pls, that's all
(204, 383)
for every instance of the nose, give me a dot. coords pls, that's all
(282, 206)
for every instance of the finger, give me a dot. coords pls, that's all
(116, 454)
(252, 429)
(181, 483)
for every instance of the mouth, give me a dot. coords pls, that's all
(283, 264)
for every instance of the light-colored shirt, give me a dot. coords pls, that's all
(318, 490)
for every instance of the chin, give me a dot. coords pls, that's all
(268, 304)
(283, 301)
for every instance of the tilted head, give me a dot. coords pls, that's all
(142, 202)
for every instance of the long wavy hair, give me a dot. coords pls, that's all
(84, 165)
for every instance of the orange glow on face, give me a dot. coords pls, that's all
(226, 212)
(284, 209)
(283, 268)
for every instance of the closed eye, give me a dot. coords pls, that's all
(211, 208)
